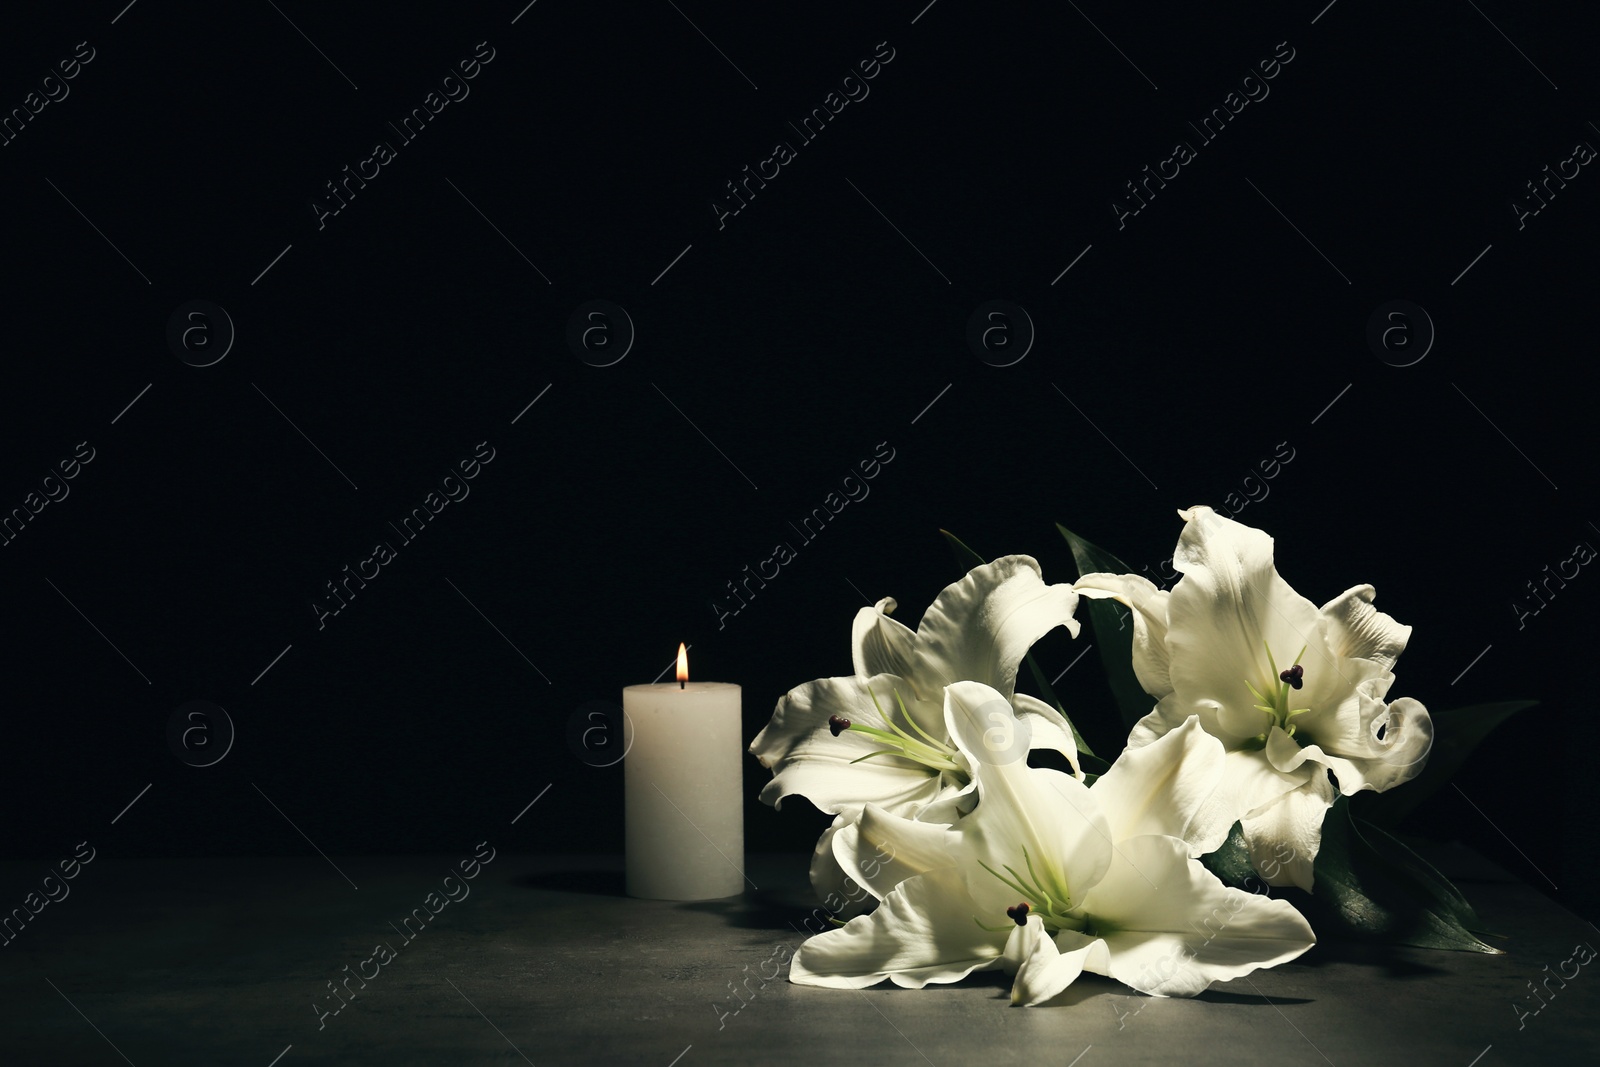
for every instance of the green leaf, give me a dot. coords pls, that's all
(1111, 625)
(967, 559)
(1455, 734)
(1049, 695)
(1370, 887)
(1444, 891)
(1091, 765)
(1231, 862)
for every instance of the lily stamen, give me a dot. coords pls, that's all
(1053, 908)
(1277, 704)
(927, 750)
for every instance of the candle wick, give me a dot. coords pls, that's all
(681, 683)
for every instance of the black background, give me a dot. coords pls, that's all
(776, 353)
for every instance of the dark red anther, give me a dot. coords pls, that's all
(838, 724)
(1295, 676)
(1019, 913)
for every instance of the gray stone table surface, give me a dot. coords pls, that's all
(545, 961)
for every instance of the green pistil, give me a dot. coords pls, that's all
(1053, 905)
(927, 750)
(1277, 704)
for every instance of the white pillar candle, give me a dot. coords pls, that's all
(685, 797)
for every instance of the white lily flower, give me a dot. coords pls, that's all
(1161, 789)
(1291, 690)
(879, 737)
(1094, 879)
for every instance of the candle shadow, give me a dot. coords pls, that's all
(762, 909)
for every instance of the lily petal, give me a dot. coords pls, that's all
(1149, 604)
(1351, 748)
(807, 759)
(1283, 837)
(1172, 712)
(922, 932)
(1249, 784)
(881, 850)
(1357, 630)
(881, 645)
(1046, 728)
(1228, 610)
(980, 627)
(1023, 812)
(952, 803)
(1173, 928)
(1164, 788)
(1332, 691)
(1043, 971)
(830, 880)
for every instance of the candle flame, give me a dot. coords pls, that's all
(683, 662)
